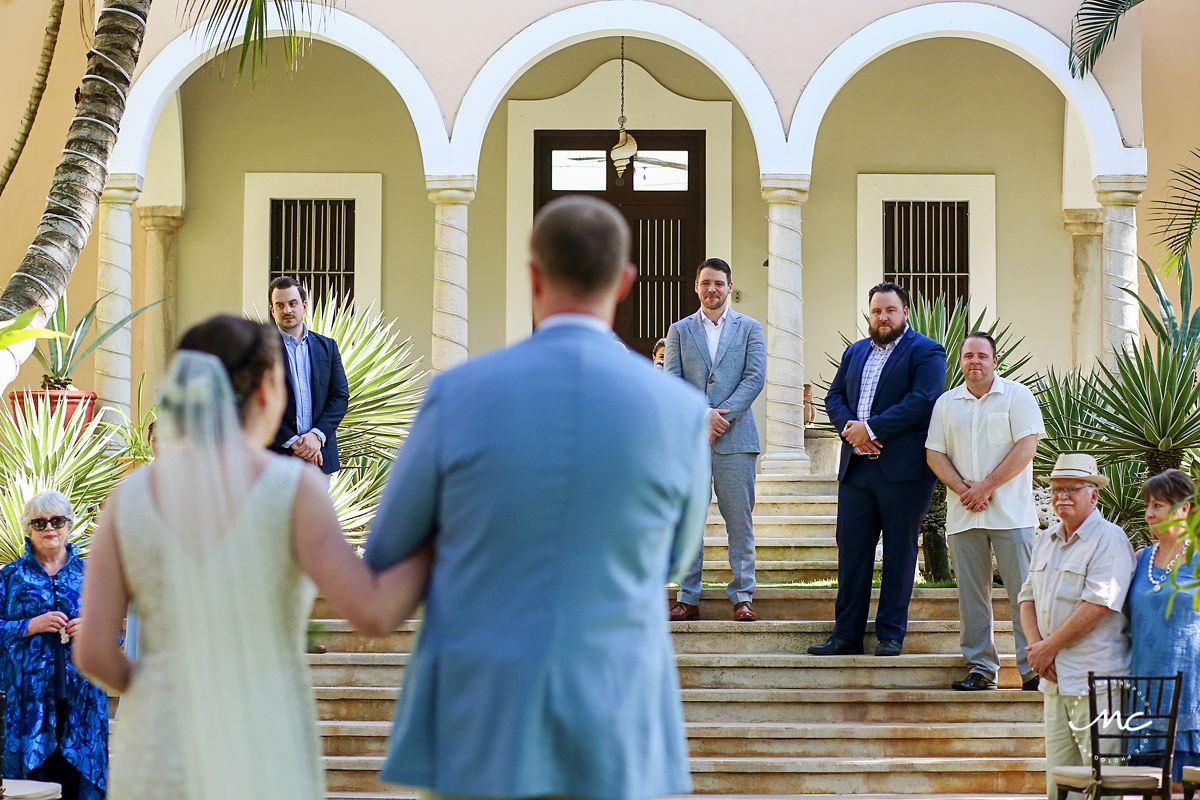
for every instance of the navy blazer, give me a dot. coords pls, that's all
(911, 382)
(330, 396)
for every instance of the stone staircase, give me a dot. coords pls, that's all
(763, 717)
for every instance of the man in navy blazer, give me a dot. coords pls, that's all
(562, 481)
(881, 400)
(317, 391)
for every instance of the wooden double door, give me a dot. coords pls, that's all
(661, 196)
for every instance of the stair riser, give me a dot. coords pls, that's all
(833, 678)
(867, 748)
(858, 711)
(775, 574)
(355, 780)
(807, 488)
(350, 642)
(765, 551)
(346, 710)
(357, 675)
(704, 747)
(791, 507)
(795, 643)
(766, 528)
(804, 609)
(1008, 782)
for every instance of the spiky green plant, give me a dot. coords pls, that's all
(950, 328)
(1094, 26)
(386, 382)
(43, 449)
(63, 357)
(356, 490)
(18, 330)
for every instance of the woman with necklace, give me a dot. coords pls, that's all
(1162, 644)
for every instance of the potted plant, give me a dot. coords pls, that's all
(61, 358)
(137, 433)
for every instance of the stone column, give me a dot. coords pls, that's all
(114, 358)
(450, 195)
(161, 223)
(1085, 226)
(785, 325)
(1118, 196)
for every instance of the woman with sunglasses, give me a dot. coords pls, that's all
(56, 723)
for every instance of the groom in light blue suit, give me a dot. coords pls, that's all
(723, 354)
(562, 481)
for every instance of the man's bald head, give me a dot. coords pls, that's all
(580, 244)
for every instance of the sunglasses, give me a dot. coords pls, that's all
(41, 523)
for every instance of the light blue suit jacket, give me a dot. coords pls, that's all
(732, 380)
(562, 481)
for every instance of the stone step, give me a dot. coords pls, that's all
(822, 526)
(912, 776)
(717, 671)
(776, 775)
(781, 548)
(773, 636)
(723, 706)
(789, 505)
(770, 484)
(916, 706)
(772, 571)
(777, 740)
(806, 603)
(705, 636)
(407, 794)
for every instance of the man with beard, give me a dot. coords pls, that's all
(881, 399)
(723, 354)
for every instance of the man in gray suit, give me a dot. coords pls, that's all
(722, 353)
(561, 481)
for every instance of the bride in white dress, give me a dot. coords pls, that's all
(215, 543)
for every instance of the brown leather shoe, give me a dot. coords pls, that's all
(683, 612)
(744, 612)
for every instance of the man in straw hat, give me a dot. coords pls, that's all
(1071, 607)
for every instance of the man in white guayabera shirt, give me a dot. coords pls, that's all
(1071, 605)
(982, 438)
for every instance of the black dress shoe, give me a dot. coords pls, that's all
(888, 647)
(974, 682)
(836, 647)
(1032, 684)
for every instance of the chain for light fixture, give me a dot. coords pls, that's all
(626, 147)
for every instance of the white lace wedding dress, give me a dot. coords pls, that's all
(220, 705)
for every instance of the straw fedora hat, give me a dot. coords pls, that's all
(1081, 467)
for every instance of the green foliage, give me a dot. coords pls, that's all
(1179, 215)
(229, 21)
(17, 330)
(1182, 330)
(40, 450)
(135, 430)
(1094, 26)
(386, 387)
(949, 329)
(62, 358)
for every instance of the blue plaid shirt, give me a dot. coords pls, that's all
(872, 368)
(300, 371)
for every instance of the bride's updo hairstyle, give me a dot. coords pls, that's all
(246, 349)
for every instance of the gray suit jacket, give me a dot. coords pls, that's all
(562, 481)
(733, 380)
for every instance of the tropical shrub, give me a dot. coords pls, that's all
(43, 449)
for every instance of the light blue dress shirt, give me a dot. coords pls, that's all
(300, 371)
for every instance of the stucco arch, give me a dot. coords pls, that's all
(595, 20)
(986, 23)
(167, 71)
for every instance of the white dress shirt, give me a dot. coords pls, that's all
(712, 330)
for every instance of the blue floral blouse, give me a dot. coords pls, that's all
(27, 677)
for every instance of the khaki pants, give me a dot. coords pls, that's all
(1066, 747)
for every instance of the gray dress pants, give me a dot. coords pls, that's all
(733, 482)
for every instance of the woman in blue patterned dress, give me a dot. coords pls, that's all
(55, 722)
(1162, 644)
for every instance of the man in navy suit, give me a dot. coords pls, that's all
(317, 390)
(881, 400)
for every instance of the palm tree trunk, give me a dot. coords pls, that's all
(933, 537)
(81, 174)
(35, 95)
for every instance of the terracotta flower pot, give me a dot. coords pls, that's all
(77, 401)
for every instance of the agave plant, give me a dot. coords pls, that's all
(62, 358)
(1147, 407)
(44, 449)
(386, 383)
(1182, 330)
(950, 328)
(356, 490)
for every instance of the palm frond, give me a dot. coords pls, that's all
(1178, 216)
(243, 24)
(1094, 26)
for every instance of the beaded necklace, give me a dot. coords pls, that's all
(1150, 567)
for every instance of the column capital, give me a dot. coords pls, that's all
(1119, 190)
(1083, 221)
(122, 187)
(450, 188)
(785, 188)
(161, 218)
